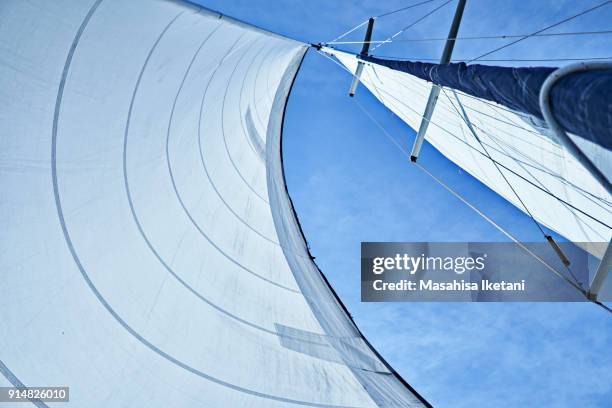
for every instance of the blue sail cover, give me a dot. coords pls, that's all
(582, 102)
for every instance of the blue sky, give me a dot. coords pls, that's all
(349, 184)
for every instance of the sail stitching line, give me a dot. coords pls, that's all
(229, 155)
(83, 271)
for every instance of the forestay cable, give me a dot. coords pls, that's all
(499, 60)
(484, 37)
(541, 30)
(388, 40)
(404, 8)
(375, 17)
(349, 31)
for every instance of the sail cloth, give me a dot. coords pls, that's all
(150, 252)
(554, 186)
(582, 102)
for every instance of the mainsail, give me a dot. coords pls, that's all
(150, 252)
(510, 151)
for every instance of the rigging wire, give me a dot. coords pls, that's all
(464, 117)
(514, 239)
(498, 60)
(497, 162)
(519, 37)
(470, 205)
(502, 165)
(497, 107)
(541, 30)
(599, 201)
(461, 198)
(481, 214)
(500, 144)
(404, 8)
(415, 22)
(348, 32)
(376, 17)
(484, 37)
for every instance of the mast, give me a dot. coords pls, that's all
(435, 90)
(364, 51)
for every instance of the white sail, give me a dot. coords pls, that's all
(559, 192)
(150, 254)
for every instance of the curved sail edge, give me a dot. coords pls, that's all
(150, 250)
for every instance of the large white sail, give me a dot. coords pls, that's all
(558, 191)
(150, 255)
